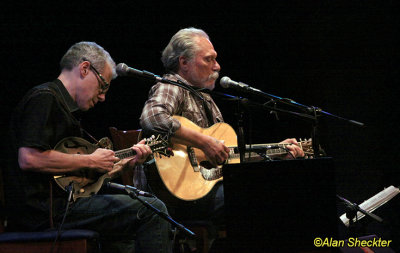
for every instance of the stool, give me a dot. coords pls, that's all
(74, 240)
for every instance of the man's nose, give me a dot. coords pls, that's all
(216, 66)
(102, 97)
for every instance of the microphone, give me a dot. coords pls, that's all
(263, 148)
(124, 70)
(126, 188)
(226, 82)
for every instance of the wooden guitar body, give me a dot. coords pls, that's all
(185, 174)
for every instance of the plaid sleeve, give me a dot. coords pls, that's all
(163, 102)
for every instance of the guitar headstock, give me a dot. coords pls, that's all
(158, 145)
(307, 147)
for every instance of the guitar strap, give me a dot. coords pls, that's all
(196, 93)
(208, 113)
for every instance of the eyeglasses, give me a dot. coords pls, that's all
(103, 85)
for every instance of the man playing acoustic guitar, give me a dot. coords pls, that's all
(190, 58)
(43, 118)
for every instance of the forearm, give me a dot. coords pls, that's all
(51, 161)
(214, 149)
(189, 137)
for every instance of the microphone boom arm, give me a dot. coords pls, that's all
(226, 82)
(123, 70)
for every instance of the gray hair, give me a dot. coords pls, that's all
(181, 44)
(90, 51)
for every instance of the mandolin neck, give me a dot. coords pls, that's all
(125, 153)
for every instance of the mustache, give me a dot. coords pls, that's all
(213, 76)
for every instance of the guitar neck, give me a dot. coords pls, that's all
(253, 150)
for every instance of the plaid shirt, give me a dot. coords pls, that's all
(166, 100)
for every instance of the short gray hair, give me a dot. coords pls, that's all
(181, 44)
(90, 51)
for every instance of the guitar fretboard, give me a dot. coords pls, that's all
(253, 150)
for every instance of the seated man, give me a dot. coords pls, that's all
(191, 58)
(43, 118)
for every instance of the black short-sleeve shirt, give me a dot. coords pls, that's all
(42, 118)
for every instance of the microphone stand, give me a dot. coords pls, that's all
(315, 133)
(163, 215)
(241, 141)
(288, 101)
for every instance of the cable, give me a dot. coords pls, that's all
(69, 190)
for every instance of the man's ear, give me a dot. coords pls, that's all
(183, 63)
(84, 68)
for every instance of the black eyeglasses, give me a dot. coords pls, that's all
(104, 85)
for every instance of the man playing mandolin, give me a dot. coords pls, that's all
(190, 58)
(43, 118)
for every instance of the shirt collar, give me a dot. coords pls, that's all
(72, 105)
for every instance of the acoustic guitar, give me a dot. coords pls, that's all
(188, 176)
(87, 182)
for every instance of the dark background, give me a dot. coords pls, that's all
(341, 56)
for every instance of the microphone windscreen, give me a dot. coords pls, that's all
(122, 69)
(225, 82)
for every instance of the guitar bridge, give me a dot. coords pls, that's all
(193, 159)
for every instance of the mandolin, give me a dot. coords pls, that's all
(86, 182)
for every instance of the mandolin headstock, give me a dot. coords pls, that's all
(159, 145)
